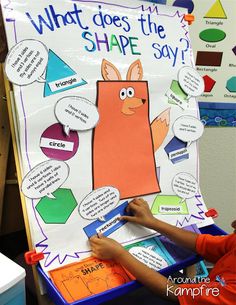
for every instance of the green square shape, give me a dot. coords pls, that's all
(58, 210)
(175, 87)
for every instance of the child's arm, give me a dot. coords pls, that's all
(143, 216)
(106, 248)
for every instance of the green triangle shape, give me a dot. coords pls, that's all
(216, 11)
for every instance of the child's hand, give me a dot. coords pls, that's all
(141, 213)
(105, 248)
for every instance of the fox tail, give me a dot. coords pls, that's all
(160, 127)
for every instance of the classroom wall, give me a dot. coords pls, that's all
(218, 173)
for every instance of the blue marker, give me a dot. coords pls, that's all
(220, 280)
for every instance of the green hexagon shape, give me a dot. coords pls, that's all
(58, 210)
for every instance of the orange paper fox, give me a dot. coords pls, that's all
(124, 141)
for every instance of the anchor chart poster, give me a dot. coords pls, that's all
(214, 47)
(105, 101)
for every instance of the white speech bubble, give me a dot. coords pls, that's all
(76, 113)
(44, 179)
(191, 81)
(99, 202)
(149, 258)
(188, 128)
(26, 62)
(185, 186)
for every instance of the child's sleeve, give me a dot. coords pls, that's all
(206, 294)
(212, 248)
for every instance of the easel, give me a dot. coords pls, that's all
(14, 140)
(7, 114)
(4, 123)
(7, 132)
(42, 299)
(4, 141)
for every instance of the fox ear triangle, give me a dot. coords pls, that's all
(135, 71)
(109, 71)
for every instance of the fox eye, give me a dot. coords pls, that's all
(130, 92)
(123, 94)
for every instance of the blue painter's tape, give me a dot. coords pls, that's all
(218, 114)
(218, 105)
(188, 4)
(157, 1)
(110, 224)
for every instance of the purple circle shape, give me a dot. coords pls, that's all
(56, 145)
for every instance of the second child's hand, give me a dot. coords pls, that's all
(106, 248)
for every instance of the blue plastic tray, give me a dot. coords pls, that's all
(55, 296)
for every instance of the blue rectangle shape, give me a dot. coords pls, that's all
(90, 230)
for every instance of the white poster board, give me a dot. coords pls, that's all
(105, 98)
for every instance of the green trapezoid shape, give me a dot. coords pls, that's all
(169, 205)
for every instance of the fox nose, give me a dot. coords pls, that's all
(143, 100)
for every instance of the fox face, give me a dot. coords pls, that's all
(130, 101)
(129, 94)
